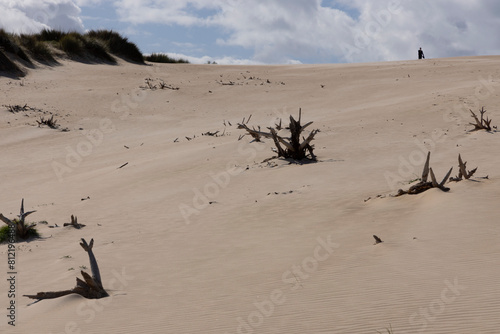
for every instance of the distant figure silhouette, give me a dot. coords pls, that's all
(421, 54)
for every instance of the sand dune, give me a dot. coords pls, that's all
(202, 236)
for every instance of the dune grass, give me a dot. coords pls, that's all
(163, 58)
(72, 44)
(9, 44)
(93, 46)
(4, 233)
(6, 64)
(117, 44)
(38, 50)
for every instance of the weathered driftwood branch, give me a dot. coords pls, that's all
(424, 185)
(74, 223)
(22, 229)
(462, 171)
(293, 147)
(90, 287)
(483, 124)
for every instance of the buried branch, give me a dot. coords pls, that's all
(295, 147)
(90, 287)
(424, 185)
(74, 223)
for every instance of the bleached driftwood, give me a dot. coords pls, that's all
(424, 185)
(90, 288)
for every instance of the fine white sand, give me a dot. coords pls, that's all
(280, 248)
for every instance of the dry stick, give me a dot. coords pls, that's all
(425, 171)
(278, 126)
(254, 133)
(440, 185)
(306, 142)
(463, 170)
(461, 165)
(125, 164)
(281, 152)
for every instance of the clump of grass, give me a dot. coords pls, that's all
(118, 44)
(100, 45)
(31, 232)
(72, 44)
(97, 49)
(8, 44)
(38, 49)
(163, 58)
(7, 65)
(76, 44)
(4, 233)
(50, 35)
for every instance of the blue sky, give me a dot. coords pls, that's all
(276, 31)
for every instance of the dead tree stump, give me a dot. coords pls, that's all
(295, 147)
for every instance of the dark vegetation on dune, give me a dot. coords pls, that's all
(95, 46)
(163, 58)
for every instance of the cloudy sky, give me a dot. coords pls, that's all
(276, 31)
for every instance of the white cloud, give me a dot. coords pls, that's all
(280, 31)
(28, 16)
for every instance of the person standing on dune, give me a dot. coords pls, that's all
(421, 54)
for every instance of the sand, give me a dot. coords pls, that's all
(204, 236)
